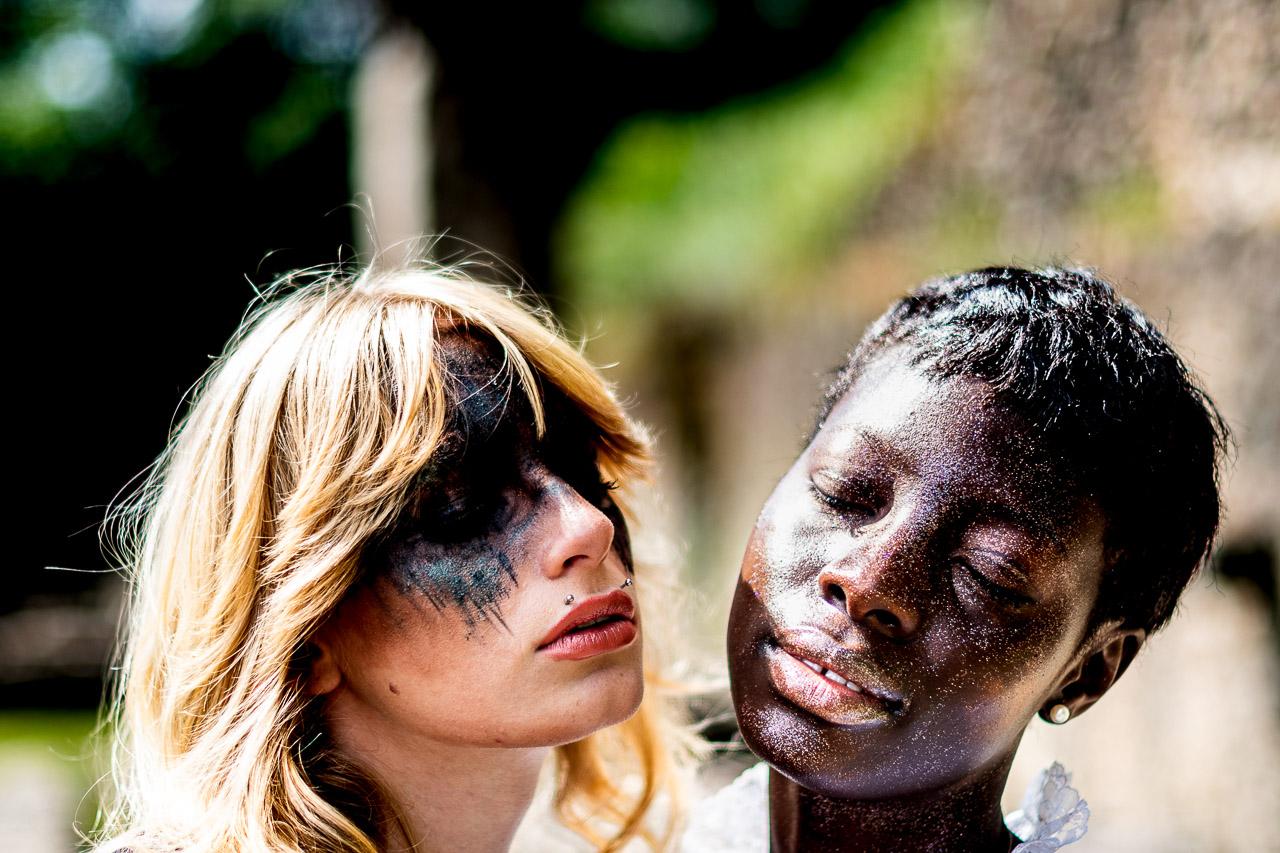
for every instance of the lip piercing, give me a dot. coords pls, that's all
(568, 599)
(626, 583)
(1059, 714)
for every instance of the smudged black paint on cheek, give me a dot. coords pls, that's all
(457, 544)
(473, 578)
(468, 563)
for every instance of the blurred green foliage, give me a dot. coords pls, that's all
(667, 25)
(714, 207)
(1133, 205)
(81, 80)
(42, 747)
(65, 733)
(309, 98)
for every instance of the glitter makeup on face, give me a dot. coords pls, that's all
(926, 544)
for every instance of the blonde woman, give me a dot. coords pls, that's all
(379, 578)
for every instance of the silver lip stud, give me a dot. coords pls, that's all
(568, 599)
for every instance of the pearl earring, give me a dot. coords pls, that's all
(1059, 714)
(568, 599)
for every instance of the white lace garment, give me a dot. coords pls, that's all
(735, 819)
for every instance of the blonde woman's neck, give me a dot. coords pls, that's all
(448, 797)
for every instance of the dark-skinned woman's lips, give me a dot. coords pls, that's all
(827, 681)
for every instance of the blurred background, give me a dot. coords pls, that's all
(718, 195)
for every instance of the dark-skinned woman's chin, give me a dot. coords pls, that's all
(833, 759)
(835, 740)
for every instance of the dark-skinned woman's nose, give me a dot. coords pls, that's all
(873, 590)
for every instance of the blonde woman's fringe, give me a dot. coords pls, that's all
(301, 442)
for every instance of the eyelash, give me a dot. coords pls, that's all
(840, 504)
(585, 478)
(1000, 593)
(598, 494)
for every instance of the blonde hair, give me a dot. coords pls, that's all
(302, 442)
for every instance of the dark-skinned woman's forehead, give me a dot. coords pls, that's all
(997, 463)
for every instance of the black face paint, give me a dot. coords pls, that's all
(468, 526)
(569, 450)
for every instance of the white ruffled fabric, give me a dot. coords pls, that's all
(1052, 814)
(735, 819)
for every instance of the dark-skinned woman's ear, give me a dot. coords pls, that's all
(1106, 659)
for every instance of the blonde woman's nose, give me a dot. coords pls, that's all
(581, 534)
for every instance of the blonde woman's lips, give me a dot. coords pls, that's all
(599, 625)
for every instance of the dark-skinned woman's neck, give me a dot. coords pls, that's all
(965, 817)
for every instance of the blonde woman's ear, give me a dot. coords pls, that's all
(323, 673)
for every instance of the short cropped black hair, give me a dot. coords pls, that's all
(1109, 396)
